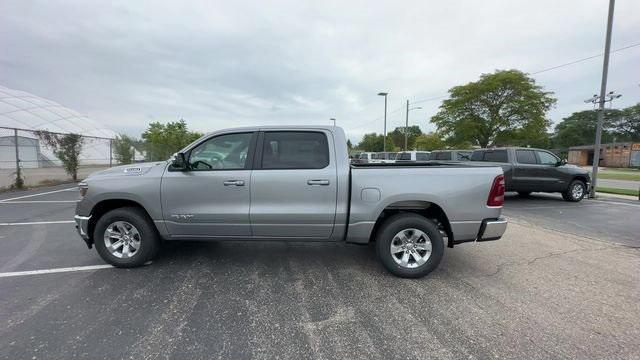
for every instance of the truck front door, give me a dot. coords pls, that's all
(293, 185)
(211, 198)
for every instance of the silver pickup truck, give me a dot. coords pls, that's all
(290, 183)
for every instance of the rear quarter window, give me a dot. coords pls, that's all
(499, 156)
(295, 150)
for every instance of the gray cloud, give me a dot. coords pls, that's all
(220, 64)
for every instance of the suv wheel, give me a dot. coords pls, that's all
(575, 192)
(125, 237)
(409, 245)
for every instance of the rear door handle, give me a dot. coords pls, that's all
(234, 183)
(318, 182)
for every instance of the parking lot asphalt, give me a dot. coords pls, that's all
(564, 282)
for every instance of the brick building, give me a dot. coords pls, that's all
(621, 155)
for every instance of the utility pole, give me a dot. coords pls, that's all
(384, 144)
(18, 175)
(406, 126)
(601, 101)
(334, 121)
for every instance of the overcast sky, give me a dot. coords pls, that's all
(229, 63)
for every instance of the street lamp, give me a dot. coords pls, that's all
(406, 125)
(384, 144)
(334, 121)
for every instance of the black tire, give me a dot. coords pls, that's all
(575, 196)
(391, 227)
(524, 193)
(149, 239)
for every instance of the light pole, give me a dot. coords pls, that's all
(384, 144)
(334, 121)
(406, 126)
(601, 100)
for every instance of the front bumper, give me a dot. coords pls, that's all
(82, 225)
(492, 229)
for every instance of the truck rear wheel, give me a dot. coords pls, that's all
(125, 237)
(409, 245)
(575, 192)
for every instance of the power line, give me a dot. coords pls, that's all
(583, 59)
(532, 73)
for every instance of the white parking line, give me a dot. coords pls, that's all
(38, 223)
(53, 271)
(44, 193)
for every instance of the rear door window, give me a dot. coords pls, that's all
(526, 157)
(422, 156)
(444, 155)
(295, 150)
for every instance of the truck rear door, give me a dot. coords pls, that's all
(293, 185)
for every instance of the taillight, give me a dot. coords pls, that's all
(496, 195)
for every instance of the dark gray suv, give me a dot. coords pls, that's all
(529, 170)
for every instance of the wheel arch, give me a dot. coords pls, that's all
(104, 206)
(425, 208)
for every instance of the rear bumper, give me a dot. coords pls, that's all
(82, 225)
(492, 229)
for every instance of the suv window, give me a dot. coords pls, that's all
(443, 155)
(224, 152)
(403, 156)
(295, 150)
(490, 156)
(547, 158)
(422, 156)
(526, 157)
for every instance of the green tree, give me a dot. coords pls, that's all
(498, 108)
(66, 147)
(349, 145)
(162, 140)
(124, 149)
(627, 125)
(397, 136)
(375, 143)
(429, 142)
(580, 128)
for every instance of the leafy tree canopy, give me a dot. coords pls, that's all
(502, 108)
(429, 142)
(162, 140)
(124, 149)
(397, 136)
(580, 128)
(374, 143)
(66, 147)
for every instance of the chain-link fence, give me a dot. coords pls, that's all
(31, 156)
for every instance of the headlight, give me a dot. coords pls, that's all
(83, 187)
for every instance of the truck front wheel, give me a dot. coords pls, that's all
(125, 237)
(575, 192)
(409, 245)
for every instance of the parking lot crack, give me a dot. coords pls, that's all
(500, 267)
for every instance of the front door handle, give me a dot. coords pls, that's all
(234, 183)
(318, 182)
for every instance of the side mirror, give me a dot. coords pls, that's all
(179, 162)
(561, 162)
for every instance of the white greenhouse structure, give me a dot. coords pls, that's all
(30, 113)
